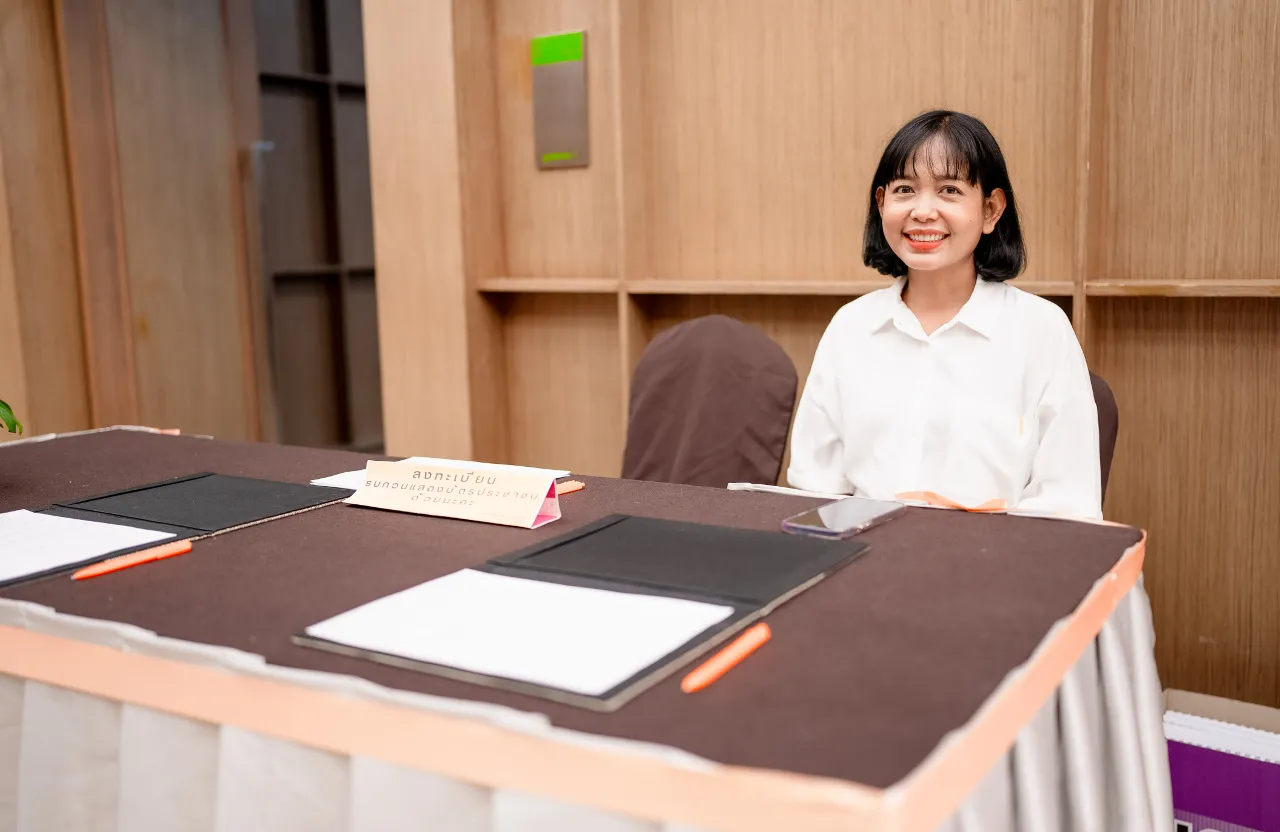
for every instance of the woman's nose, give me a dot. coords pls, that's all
(923, 209)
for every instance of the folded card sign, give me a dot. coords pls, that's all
(508, 498)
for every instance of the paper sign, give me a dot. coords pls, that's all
(486, 495)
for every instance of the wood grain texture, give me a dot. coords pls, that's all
(346, 37)
(572, 285)
(1196, 465)
(95, 193)
(843, 288)
(761, 122)
(563, 383)
(653, 286)
(1090, 65)
(1183, 288)
(40, 240)
(1190, 162)
(633, 337)
(354, 206)
(416, 171)
(483, 246)
(306, 317)
(795, 323)
(13, 371)
(176, 161)
(242, 71)
(298, 197)
(561, 223)
(287, 35)
(363, 370)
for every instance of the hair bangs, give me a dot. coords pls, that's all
(941, 157)
(938, 146)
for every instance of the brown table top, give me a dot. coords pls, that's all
(865, 674)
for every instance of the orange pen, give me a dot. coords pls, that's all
(728, 658)
(168, 550)
(568, 487)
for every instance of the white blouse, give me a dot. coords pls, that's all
(994, 404)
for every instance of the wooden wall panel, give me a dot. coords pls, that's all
(100, 247)
(13, 371)
(40, 244)
(364, 374)
(418, 183)
(1190, 155)
(177, 167)
(286, 36)
(560, 223)
(245, 90)
(355, 206)
(563, 386)
(346, 33)
(304, 315)
(760, 123)
(482, 203)
(1196, 465)
(296, 226)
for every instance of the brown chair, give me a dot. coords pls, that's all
(711, 404)
(1108, 425)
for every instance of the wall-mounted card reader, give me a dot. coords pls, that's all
(560, 133)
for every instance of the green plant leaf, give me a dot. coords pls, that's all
(10, 421)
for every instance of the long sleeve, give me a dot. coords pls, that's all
(1066, 475)
(817, 450)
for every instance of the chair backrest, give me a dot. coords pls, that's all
(1108, 425)
(711, 403)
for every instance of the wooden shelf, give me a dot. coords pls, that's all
(754, 287)
(1184, 288)
(533, 285)
(853, 288)
(302, 272)
(658, 286)
(1047, 288)
(275, 77)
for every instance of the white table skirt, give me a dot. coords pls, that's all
(1094, 757)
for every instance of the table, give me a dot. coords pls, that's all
(969, 672)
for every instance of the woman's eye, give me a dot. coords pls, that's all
(951, 190)
(902, 189)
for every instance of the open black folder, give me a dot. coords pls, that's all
(750, 572)
(187, 507)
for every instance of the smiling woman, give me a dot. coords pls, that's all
(942, 175)
(949, 382)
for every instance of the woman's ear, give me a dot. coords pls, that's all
(992, 209)
(880, 199)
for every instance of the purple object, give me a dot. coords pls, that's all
(1238, 791)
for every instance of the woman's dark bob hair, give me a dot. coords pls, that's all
(968, 152)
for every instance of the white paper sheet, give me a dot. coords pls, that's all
(354, 479)
(571, 638)
(31, 543)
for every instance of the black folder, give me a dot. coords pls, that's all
(752, 572)
(190, 507)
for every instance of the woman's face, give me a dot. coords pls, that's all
(933, 221)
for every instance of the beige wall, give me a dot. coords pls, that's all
(123, 289)
(177, 173)
(42, 368)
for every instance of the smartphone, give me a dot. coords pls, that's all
(843, 518)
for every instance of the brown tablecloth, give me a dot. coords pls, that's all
(864, 676)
